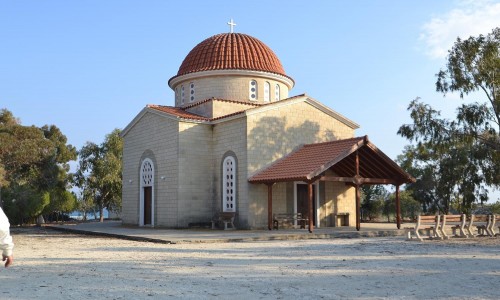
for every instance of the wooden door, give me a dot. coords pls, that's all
(147, 204)
(302, 201)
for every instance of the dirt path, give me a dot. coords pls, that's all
(53, 265)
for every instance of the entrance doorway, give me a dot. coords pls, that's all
(302, 201)
(148, 197)
(147, 194)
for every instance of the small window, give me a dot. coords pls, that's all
(267, 87)
(252, 91)
(191, 92)
(183, 96)
(277, 92)
(229, 184)
(177, 95)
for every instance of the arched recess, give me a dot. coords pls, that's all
(147, 193)
(229, 182)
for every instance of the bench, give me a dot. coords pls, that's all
(289, 217)
(482, 225)
(457, 223)
(224, 217)
(429, 224)
(495, 221)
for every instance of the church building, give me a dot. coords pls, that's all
(237, 142)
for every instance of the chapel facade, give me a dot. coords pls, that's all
(220, 148)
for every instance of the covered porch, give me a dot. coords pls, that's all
(354, 162)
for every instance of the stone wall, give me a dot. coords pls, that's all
(216, 108)
(230, 138)
(229, 88)
(195, 173)
(274, 133)
(153, 137)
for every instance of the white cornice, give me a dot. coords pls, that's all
(290, 101)
(251, 111)
(332, 113)
(158, 113)
(247, 73)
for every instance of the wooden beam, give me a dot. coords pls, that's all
(357, 163)
(398, 208)
(363, 180)
(310, 205)
(270, 206)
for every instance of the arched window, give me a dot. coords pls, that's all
(147, 173)
(267, 88)
(277, 93)
(191, 92)
(183, 95)
(229, 184)
(252, 90)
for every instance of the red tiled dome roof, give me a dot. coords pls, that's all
(233, 51)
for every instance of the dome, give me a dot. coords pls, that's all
(231, 51)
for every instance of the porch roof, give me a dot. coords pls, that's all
(309, 163)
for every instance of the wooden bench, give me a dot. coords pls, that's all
(482, 225)
(457, 223)
(429, 224)
(289, 217)
(495, 221)
(224, 217)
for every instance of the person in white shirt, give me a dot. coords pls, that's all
(6, 244)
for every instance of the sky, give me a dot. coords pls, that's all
(91, 66)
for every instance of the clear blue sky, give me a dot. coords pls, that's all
(90, 66)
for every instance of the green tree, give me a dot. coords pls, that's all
(389, 209)
(372, 200)
(457, 159)
(474, 66)
(99, 173)
(410, 208)
(35, 164)
(495, 207)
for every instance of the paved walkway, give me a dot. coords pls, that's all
(176, 236)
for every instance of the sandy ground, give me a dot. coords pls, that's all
(53, 265)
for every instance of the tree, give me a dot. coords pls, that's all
(410, 208)
(455, 160)
(372, 197)
(474, 65)
(99, 173)
(34, 163)
(61, 202)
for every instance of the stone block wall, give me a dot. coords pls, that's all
(216, 108)
(153, 137)
(273, 134)
(230, 88)
(230, 137)
(195, 183)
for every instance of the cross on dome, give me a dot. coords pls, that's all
(231, 25)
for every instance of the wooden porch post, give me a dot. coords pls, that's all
(310, 205)
(398, 208)
(270, 206)
(358, 196)
(358, 207)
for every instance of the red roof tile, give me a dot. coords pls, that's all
(179, 112)
(182, 113)
(309, 161)
(231, 51)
